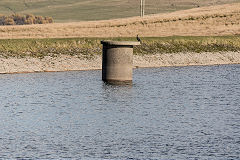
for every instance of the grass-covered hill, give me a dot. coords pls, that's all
(78, 10)
(216, 20)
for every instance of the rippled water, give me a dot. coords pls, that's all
(168, 113)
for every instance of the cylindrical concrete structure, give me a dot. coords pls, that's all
(117, 61)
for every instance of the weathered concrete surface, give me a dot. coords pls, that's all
(117, 61)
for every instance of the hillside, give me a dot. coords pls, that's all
(78, 10)
(204, 21)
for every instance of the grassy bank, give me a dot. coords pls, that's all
(89, 47)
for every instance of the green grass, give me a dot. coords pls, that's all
(89, 47)
(189, 44)
(76, 10)
(84, 48)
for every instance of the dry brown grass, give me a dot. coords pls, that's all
(205, 21)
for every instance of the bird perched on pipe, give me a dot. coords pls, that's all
(138, 39)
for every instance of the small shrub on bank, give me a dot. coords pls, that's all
(17, 19)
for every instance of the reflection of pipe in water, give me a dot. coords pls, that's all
(117, 61)
(117, 92)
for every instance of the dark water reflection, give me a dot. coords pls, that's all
(168, 113)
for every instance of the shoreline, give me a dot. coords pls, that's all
(72, 63)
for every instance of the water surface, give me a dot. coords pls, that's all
(168, 113)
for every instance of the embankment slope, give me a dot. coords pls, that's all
(71, 63)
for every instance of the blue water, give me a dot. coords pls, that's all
(168, 113)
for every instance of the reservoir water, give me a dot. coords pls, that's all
(168, 113)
